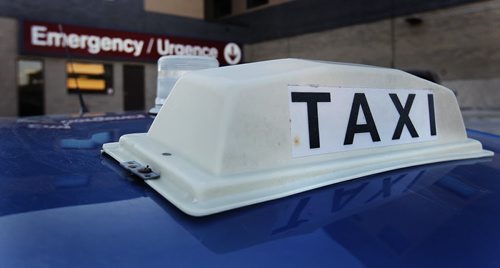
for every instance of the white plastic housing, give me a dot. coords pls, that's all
(228, 131)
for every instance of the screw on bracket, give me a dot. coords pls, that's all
(145, 169)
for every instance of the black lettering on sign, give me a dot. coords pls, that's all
(353, 127)
(432, 116)
(312, 99)
(404, 116)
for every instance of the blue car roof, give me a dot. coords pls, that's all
(63, 204)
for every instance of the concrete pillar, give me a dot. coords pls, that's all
(8, 66)
(150, 75)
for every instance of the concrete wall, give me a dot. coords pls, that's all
(461, 44)
(8, 67)
(191, 8)
(366, 43)
(150, 73)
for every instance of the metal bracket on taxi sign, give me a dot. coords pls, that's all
(143, 172)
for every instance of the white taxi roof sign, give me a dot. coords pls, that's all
(239, 135)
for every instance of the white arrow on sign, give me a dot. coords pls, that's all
(232, 53)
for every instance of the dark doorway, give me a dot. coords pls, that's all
(30, 88)
(133, 87)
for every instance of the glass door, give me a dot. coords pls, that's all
(30, 87)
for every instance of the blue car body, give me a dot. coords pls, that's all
(64, 204)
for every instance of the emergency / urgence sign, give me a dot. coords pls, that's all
(42, 38)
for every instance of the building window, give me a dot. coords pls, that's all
(30, 87)
(89, 77)
(215, 9)
(256, 3)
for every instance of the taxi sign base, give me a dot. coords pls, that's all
(198, 193)
(234, 136)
